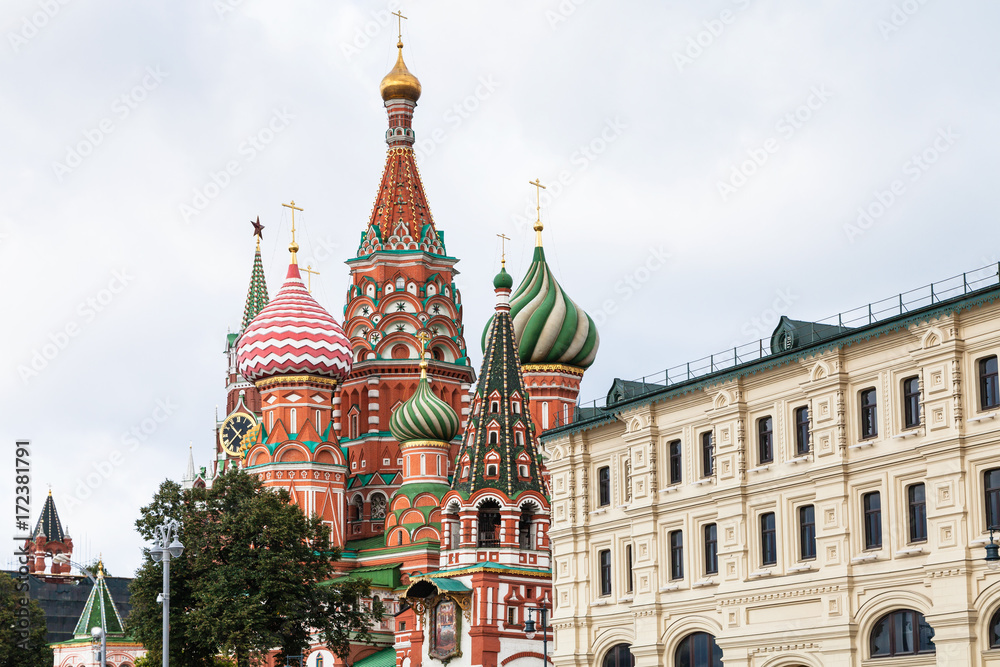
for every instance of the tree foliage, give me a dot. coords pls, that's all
(15, 650)
(251, 578)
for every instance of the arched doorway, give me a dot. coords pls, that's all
(698, 650)
(618, 656)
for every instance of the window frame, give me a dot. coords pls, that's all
(889, 618)
(707, 454)
(807, 532)
(604, 567)
(991, 499)
(916, 514)
(868, 413)
(803, 444)
(675, 462)
(989, 383)
(630, 578)
(604, 486)
(872, 520)
(768, 539)
(911, 402)
(765, 440)
(710, 539)
(675, 540)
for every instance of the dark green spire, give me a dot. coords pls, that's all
(100, 610)
(257, 296)
(48, 523)
(501, 387)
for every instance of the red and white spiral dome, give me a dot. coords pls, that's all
(293, 335)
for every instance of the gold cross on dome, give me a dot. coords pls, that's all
(538, 209)
(294, 209)
(503, 252)
(423, 336)
(399, 16)
(309, 270)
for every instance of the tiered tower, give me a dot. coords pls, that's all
(295, 354)
(257, 298)
(494, 562)
(556, 341)
(402, 282)
(47, 541)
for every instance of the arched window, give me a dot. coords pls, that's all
(378, 506)
(293, 420)
(494, 437)
(524, 531)
(359, 508)
(995, 630)
(901, 632)
(618, 656)
(698, 650)
(489, 524)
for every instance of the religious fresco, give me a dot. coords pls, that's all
(445, 629)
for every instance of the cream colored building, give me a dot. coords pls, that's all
(904, 407)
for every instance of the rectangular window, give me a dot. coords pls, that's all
(676, 554)
(869, 414)
(628, 559)
(989, 392)
(768, 540)
(873, 520)
(604, 486)
(711, 550)
(605, 559)
(675, 462)
(911, 402)
(707, 454)
(511, 615)
(765, 440)
(802, 431)
(918, 512)
(992, 488)
(807, 532)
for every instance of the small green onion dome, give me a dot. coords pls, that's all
(503, 280)
(548, 325)
(424, 416)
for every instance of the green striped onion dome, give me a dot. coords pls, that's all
(424, 416)
(548, 325)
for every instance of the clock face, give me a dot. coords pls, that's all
(232, 432)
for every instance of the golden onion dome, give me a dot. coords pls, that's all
(400, 83)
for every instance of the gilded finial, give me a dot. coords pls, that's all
(100, 566)
(423, 336)
(293, 247)
(538, 211)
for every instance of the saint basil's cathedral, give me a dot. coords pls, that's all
(436, 494)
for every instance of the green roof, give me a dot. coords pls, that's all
(367, 543)
(100, 611)
(384, 658)
(380, 576)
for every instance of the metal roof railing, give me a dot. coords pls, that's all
(813, 332)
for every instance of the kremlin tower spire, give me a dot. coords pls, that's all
(48, 541)
(556, 340)
(257, 295)
(402, 283)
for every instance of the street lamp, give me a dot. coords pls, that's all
(529, 629)
(164, 548)
(97, 634)
(992, 553)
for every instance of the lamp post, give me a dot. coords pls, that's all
(992, 553)
(529, 630)
(97, 633)
(166, 546)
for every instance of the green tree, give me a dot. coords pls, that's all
(16, 650)
(249, 580)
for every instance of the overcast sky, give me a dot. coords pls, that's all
(706, 160)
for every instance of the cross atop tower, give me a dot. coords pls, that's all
(503, 250)
(309, 270)
(294, 247)
(399, 16)
(538, 210)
